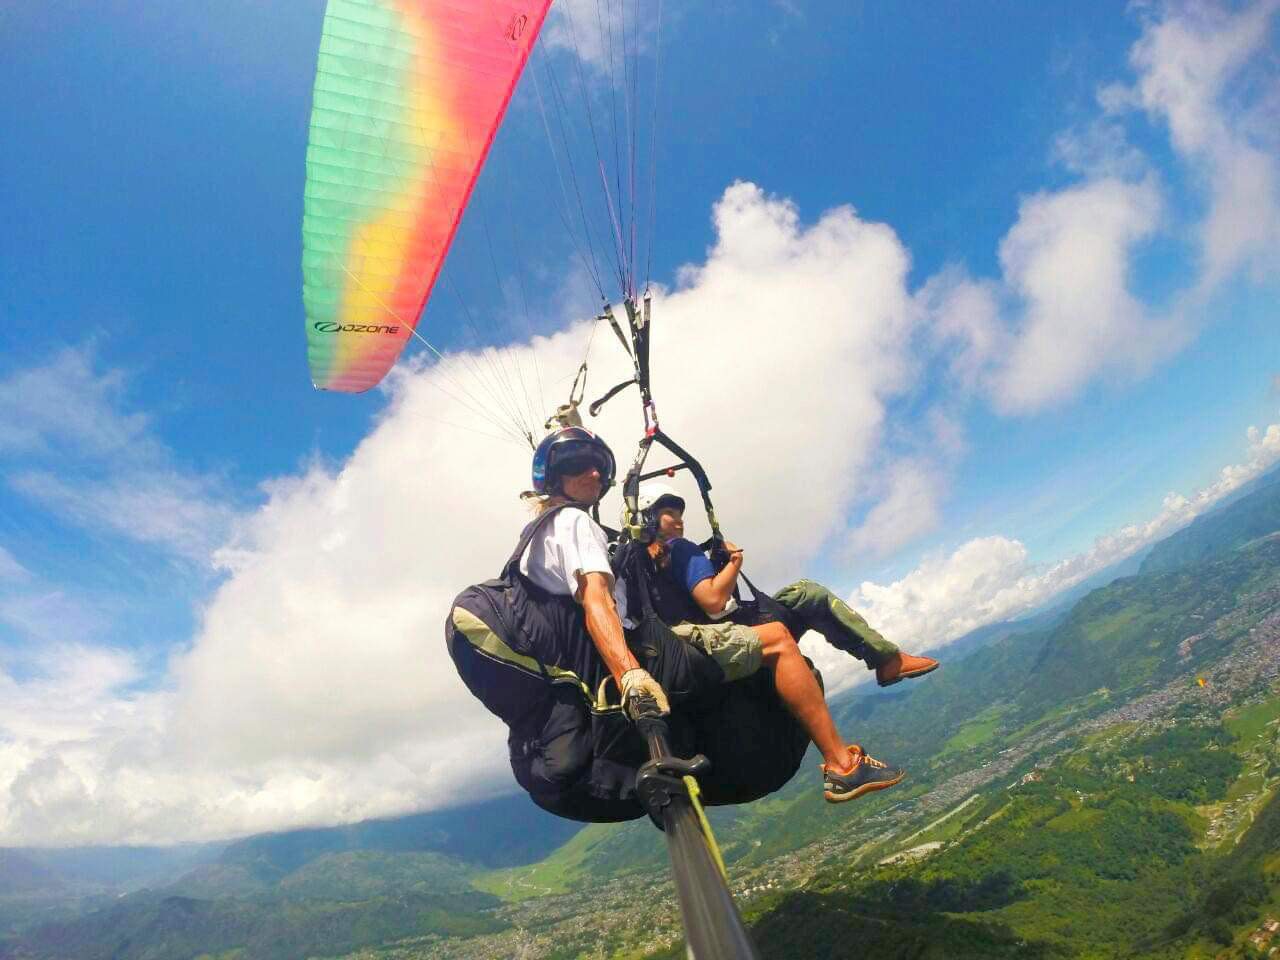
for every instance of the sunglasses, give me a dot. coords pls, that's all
(572, 466)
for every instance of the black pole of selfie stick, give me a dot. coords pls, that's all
(667, 787)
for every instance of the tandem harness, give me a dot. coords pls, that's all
(526, 655)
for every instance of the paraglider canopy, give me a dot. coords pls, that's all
(408, 96)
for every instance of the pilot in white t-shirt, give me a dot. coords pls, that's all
(570, 546)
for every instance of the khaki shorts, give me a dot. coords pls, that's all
(736, 648)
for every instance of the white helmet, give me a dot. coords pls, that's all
(651, 498)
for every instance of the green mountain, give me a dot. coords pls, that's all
(1103, 782)
(150, 926)
(20, 874)
(1142, 630)
(1254, 515)
(508, 830)
(276, 896)
(1094, 856)
(121, 869)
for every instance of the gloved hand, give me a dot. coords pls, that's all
(638, 683)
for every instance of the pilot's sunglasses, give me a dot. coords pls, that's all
(576, 465)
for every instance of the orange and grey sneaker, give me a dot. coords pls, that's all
(866, 775)
(903, 666)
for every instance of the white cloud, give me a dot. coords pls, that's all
(602, 35)
(908, 509)
(318, 688)
(1185, 59)
(989, 579)
(768, 281)
(1100, 150)
(65, 404)
(71, 445)
(1190, 63)
(946, 434)
(40, 613)
(965, 323)
(1067, 259)
(1064, 311)
(180, 512)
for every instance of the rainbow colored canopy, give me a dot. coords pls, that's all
(408, 96)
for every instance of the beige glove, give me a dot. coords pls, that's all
(638, 682)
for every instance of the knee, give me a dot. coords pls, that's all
(776, 641)
(802, 591)
(790, 592)
(817, 592)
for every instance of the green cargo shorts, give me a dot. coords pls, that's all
(734, 647)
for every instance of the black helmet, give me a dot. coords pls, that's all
(565, 447)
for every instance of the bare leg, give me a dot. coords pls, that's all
(801, 694)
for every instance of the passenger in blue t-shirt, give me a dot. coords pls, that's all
(689, 565)
(816, 607)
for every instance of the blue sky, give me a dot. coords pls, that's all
(1008, 394)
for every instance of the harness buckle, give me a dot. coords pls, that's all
(650, 419)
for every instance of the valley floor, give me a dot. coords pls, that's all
(1061, 778)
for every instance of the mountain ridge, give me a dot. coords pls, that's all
(1078, 705)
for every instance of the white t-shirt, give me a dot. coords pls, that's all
(572, 543)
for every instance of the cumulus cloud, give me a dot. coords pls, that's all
(1066, 259)
(1064, 312)
(1187, 60)
(317, 688)
(770, 281)
(989, 579)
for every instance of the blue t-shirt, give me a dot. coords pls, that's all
(689, 565)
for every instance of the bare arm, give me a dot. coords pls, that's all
(604, 626)
(713, 593)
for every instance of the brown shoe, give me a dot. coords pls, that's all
(903, 666)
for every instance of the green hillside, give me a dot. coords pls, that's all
(1128, 634)
(1252, 516)
(182, 927)
(1101, 854)
(1103, 784)
(1119, 642)
(21, 874)
(287, 895)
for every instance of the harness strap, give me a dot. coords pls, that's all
(512, 566)
(511, 570)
